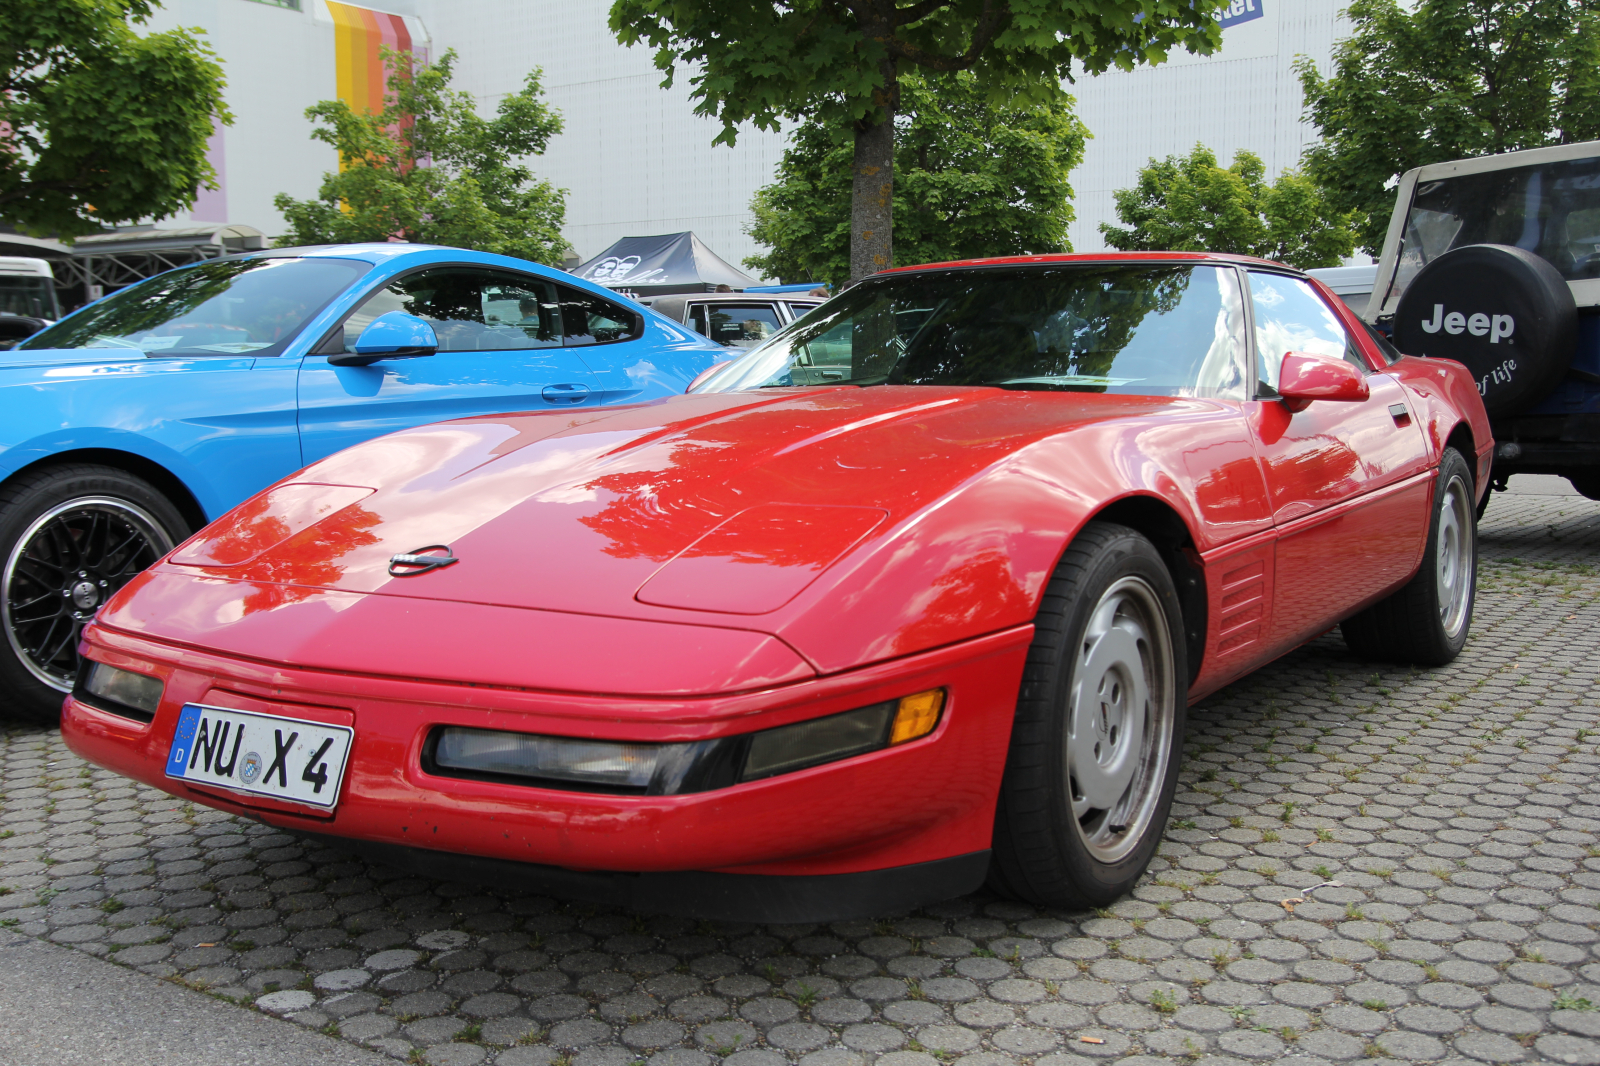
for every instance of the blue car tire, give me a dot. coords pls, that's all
(70, 536)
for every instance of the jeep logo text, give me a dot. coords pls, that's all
(1477, 325)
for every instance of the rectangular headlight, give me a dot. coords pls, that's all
(584, 762)
(675, 769)
(124, 688)
(838, 736)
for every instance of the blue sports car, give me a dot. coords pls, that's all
(130, 424)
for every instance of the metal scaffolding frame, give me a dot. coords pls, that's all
(105, 262)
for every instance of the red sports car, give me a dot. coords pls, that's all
(912, 595)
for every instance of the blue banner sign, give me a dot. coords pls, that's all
(1240, 11)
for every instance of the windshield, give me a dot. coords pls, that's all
(1551, 210)
(1141, 329)
(34, 297)
(222, 307)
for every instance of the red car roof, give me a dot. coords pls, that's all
(1090, 257)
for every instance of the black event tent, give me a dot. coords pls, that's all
(657, 266)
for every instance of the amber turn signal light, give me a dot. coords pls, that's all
(916, 716)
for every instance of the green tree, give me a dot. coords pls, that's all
(972, 179)
(428, 168)
(1448, 80)
(103, 125)
(1190, 204)
(841, 62)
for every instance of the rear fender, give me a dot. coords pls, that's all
(1446, 401)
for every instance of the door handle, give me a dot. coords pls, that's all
(566, 395)
(1399, 413)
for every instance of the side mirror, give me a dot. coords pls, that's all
(1305, 377)
(392, 335)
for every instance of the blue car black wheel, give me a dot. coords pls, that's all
(70, 537)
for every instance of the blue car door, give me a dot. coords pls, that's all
(503, 346)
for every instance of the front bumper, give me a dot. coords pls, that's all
(928, 801)
(695, 894)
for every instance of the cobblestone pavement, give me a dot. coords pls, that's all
(1364, 861)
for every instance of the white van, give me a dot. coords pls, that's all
(28, 288)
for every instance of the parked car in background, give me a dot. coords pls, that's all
(134, 421)
(1495, 262)
(1352, 284)
(758, 652)
(733, 320)
(28, 300)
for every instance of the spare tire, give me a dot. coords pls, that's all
(1504, 312)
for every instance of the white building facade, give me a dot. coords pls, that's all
(1247, 96)
(634, 158)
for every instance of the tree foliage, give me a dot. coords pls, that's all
(1192, 204)
(104, 125)
(1448, 80)
(760, 61)
(428, 168)
(973, 179)
(840, 62)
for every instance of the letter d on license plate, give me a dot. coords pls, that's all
(285, 758)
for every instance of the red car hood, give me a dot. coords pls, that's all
(717, 510)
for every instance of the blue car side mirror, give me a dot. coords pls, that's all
(392, 335)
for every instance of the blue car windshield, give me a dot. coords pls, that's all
(221, 307)
(1152, 329)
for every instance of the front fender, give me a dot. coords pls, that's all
(61, 443)
(223, 427)
(978, 560)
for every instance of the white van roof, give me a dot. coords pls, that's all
(15, 266)
(1348, 280)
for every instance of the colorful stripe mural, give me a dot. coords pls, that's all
(357, 34)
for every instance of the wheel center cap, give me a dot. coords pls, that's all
(85, 595)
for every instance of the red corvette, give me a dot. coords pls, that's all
(913, 595)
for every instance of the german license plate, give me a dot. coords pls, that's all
(263, 754)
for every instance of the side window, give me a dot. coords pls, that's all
(592, 320)
(470, 310)
(697, 319)
(1291, 317)
(742, 325)
(1391, 354)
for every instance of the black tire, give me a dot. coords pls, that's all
(70, 536)
(1110, 595)
(1505, 313)
(1587, 484)
(1427, 621)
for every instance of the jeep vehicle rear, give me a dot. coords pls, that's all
(1495, 262)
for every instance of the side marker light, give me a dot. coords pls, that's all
(916, 716)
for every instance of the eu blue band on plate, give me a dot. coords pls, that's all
(183, 739)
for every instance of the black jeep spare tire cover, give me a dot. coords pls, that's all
(1504, 312)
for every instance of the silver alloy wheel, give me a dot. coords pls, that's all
(1120, 719)
(64, 566)
(1454, 555)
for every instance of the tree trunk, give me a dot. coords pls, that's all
(872, 191)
